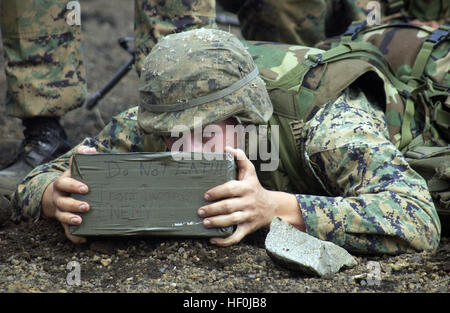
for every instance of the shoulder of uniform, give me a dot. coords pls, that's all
(129, 114)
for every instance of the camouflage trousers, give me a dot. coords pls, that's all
(43, 60)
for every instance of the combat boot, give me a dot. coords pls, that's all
(5, 210)
(45, 140)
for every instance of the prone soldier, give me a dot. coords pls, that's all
(359, 191)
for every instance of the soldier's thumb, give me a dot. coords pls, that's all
(243, 163)
(80, 149)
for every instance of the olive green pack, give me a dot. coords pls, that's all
(307, 78)
(149, 194)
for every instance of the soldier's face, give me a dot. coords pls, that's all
(212, 138)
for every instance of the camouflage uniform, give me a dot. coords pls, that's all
(295, 22)
(306, 22)
(376, 204)
(423, 10)
(44, 64)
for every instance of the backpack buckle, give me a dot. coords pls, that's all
(315, 59)
(354, 29)
(438, 35)
(408, 95)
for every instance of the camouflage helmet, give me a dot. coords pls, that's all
(205, 73)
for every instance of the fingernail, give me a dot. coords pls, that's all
(207, 196)
(83, 207)
(83, 189)
(201, 212)
(207, 222)
(75, 220)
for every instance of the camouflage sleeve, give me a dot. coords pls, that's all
(120, 135)
(43, 61)
(377, 203)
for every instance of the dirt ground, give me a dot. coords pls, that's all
(35, 257)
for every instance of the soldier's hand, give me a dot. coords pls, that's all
(243, 202)
(57, 203)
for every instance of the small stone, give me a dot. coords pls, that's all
(105, 262)
(121, 252)
(398, 266)
(96, 258)
(299, 251)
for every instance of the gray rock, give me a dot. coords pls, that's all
(299, 251)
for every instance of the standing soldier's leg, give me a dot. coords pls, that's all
(157, 18)
(45, 79)
(289, 21)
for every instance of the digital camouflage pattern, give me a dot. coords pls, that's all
(377, 202)
(373, 202)
(168, 77)
(155, 19)
(44, 67)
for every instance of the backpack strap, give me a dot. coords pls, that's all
(436, 37)
(438, 114)
(353, 30)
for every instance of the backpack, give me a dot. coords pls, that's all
(410, 63)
